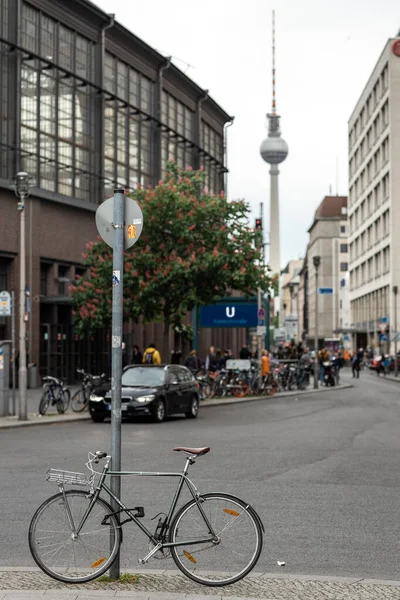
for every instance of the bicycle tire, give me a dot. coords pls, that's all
(184, 559)
(104, 565)
(44, 402)
(79, 401)
(63, 401)
(240, 388)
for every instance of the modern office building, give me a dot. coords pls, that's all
(86, 106)
(374, 202)
(328, 240)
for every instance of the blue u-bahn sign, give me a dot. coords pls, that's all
(229, 314)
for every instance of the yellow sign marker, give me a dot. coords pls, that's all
(131, 232)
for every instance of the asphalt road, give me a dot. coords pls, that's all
(322, 470)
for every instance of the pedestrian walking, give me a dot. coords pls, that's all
(265, 363)
(355, 365)
(323, 356)
(245, 352)
(151, 355)
(137, 356)
(211, 361)
(193, 362)
(125, 360)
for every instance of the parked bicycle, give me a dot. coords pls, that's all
(80, 400)
(75, 536)
(55, 393)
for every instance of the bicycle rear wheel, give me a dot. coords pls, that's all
(65, 557)
(234, 552)
(79, 401)
(44, 402)
(240, 387)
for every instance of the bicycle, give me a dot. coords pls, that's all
(80, 400)
(75, 535)
(54, 394)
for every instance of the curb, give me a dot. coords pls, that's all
(349, 580)
(230, 401)
(278, 395)
(36, 421)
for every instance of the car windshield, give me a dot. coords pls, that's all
(143, 377)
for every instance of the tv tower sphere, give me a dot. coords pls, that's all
(274, 150)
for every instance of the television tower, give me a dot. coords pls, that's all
(274, 150)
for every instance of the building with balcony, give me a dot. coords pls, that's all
(86, 107)
(374, 202)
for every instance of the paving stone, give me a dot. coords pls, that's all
(20, 585)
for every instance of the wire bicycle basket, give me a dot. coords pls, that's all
(58, 476)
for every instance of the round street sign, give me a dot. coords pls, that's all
(261, 313)
(133, 221)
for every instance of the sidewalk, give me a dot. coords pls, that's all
(52, 417)
(32, 584)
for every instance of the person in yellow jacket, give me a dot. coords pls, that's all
(151, 356)
(265, 363)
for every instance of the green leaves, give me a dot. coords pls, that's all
(194, 249)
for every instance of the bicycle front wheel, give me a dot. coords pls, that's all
(68, 557)
(63, 401)
(79, 401)
(44, 402)
(231, 555)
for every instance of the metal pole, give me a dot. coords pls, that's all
(396, 366)
(30, 284)
(14, 371)
(316, 363)
(195, 325)
(116, 350)
(22, 372)
(259, 337)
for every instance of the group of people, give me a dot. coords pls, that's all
(150, 356)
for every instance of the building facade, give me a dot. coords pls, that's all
(328, 240)
(374, 202)
(86, 107)
(289, 300)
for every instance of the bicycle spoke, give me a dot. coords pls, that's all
(71, 558)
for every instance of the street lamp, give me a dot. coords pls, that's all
(22, 192)
(316, 263)
(396, 366)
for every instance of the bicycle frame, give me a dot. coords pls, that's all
(159, 544)
(54, 397)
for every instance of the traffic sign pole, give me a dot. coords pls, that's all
(119, 221)
(118, 225)
(14, 369)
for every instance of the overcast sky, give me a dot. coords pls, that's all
(326, 50)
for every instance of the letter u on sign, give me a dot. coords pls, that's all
(230, 312)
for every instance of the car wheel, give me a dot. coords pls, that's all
(194, 408)
(158, 411)
(97, 418)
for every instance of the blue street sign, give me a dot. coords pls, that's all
(231, 314)
(383, 337)
(325, 291)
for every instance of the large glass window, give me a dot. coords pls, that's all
(56, 108)
(4, 63)
(179, 119)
